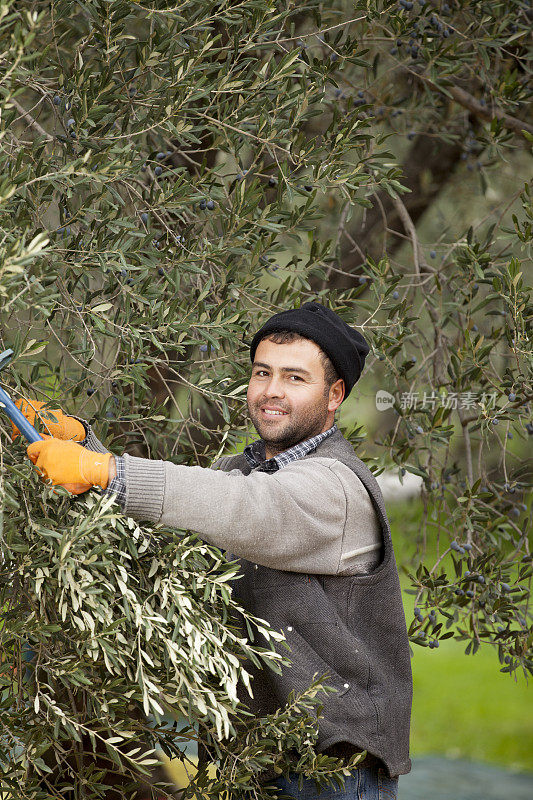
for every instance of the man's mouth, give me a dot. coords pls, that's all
(272, 413)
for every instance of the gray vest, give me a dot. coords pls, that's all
(351, 627)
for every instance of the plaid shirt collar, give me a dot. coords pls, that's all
(255, 452)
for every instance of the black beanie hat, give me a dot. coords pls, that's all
(345, 347)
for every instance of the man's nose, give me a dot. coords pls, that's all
(275, 387)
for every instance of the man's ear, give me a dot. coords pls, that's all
(337, 390)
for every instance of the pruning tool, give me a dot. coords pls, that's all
(8, 406)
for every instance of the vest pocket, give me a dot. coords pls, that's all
(286, 599)
(306, 658)
(265, 578)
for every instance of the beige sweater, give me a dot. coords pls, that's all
(313, 515)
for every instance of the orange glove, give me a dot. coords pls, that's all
(69, 464)
(65, 427)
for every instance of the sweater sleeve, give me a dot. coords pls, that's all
(291, 520)
(118, 484)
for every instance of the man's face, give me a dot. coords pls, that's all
(290, 377)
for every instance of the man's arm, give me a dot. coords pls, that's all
(91, 442)
(293, 519)
(324, 524)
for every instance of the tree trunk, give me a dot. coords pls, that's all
(427, 157)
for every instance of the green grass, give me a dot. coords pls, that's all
(463, 706)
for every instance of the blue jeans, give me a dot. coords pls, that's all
(365, 783)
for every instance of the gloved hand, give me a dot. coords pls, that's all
(65, 427)
(69, 464)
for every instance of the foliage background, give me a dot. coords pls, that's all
(172, 176)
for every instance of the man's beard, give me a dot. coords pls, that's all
(297, 430)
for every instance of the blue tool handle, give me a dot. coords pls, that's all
(8, 407)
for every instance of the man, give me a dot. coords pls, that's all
(306, 519)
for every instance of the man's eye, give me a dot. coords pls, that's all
(262, 371)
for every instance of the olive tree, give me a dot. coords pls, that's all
(172, 175)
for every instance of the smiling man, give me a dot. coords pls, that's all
(286, 401)
(306, 520)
